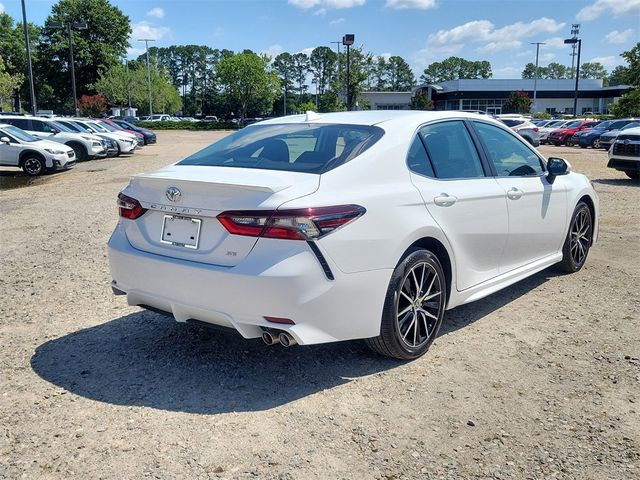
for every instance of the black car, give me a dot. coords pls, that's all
(149, 136)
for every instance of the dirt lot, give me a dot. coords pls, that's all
(541, 380)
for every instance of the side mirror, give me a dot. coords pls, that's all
(5, 140)
(556, 166)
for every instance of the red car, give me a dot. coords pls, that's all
(111, 125)
(563, 135)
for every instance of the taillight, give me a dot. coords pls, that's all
(295, 224)
(535, 129)
(129, 207)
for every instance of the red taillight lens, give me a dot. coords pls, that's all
(129, 207)
(535, 129)
(297, 224)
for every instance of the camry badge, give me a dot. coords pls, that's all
(174, 194)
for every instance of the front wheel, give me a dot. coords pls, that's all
(595, 143)
(33, 166)
(413, 308)
(578, 242)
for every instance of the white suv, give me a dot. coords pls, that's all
(34, 155)
(125, 142)
(624, 154)
(85, 146)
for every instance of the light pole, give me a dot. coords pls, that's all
(146, 42)
(575, 30)
(32, 91)
(347, 41)
(69, 26)
(573, 41)
(535, 77)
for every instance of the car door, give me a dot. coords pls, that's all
(537, 209)
(467, 204)
(9, 153)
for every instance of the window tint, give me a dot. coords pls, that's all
(417, 159)
(451, 150)
(312, 148)
(510, 156)
(22, 123)
(40, 126)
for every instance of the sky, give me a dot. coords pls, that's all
(421, 31)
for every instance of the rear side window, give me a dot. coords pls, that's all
(451, 150)
(22, 123)
(417, 159)
(300, 147)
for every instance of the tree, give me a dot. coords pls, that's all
(92, 105)
(115, 85)
(247, 80)
(518, 102)
(530, 71)
(454, 68)
(628, 105)
(8, 84)
(96, 48)
(300, 70)
(420, 101)
(633, 60)
(593, 70)
(284, 67)
(322, 64)
(619, 76)
(397, 74)
(557, 71)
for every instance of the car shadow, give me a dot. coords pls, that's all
(147, 359)
(625, 182)
(10, 179)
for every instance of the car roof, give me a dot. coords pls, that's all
(375, 117)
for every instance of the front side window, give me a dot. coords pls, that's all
(451, 150)
(310, 148)
(40, 126)
(510, 156)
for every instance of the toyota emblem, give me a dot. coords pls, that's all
(174, 194)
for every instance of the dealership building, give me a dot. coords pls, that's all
(552, 96)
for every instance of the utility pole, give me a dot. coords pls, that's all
(534, 107)
(347, 41)
(575, 30)
(338, 63)
(69, 26)
(32, 91)
(146, 42)
(574, 41)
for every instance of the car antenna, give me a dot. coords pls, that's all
(311, 116)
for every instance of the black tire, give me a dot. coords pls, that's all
(578, 241)
(119, 151)
(80, 151)
(33, 165)
(422, 315)
(633, 175)
(595, 143)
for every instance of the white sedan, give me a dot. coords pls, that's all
(357, 225)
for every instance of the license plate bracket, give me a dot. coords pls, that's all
(181, 231)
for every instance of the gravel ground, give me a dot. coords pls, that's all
(538, 381)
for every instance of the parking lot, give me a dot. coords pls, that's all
(540, 380)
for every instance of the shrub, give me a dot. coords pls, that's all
(92, 105)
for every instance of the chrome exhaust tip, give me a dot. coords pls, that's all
(269, 338)
(286, 340)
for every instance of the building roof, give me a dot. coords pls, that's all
(506, 84)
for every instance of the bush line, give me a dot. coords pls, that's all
(187, 125)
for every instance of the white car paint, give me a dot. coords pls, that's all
(624, 153)
(495, 231)
(126, 142)
(56, 156)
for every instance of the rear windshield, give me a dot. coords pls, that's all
(299, 147)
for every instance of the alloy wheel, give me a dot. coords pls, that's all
(418, 305)
(33, 166)
(580, 236)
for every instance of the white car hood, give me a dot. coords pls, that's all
(49, 144)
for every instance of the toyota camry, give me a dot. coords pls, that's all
(356, 225)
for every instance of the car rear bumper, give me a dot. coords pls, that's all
(279, 278)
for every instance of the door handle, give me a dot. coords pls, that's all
(444, 200)
(515, 194)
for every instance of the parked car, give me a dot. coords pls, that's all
(625, 153)
(592, 137)
(127, 119)
(351, 225)
(114, 127)
(159, 117)
(33, 154)
(85, 146)
(562, 135)
(550, 127)
(524, 128)
(110, 144)
(148, 135)
(125, 142)
(210, 118)
(607, 139)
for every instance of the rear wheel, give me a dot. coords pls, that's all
(33, 165)
(578, 241)
(413, 309)
(595, 143)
